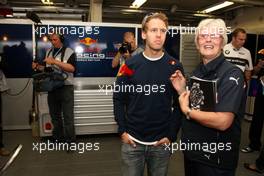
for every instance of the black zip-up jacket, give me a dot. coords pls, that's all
(143, 98)
(214, 147)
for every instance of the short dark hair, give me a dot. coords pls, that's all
(128, 33)
(238, 30)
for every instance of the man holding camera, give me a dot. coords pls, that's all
(127, 49)
(60, 100)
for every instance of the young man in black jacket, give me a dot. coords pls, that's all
(143, 103)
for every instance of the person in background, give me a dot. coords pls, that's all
(3, 87)
(143, 112)
(256, 125)
(60, 101)
(240, 56)
(214, 133)
(127, 49)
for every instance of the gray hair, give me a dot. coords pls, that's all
(217, 24)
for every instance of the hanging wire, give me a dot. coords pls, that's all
(21, 91)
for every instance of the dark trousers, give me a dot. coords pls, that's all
(61, 103)
(1, 125)
(257, 123)
(193, 168)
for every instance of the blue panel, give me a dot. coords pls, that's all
(16, 51)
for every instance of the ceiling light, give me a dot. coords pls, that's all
(217, 6)
(47, 2)
(137, 3)
(133, 11)
(203, 15)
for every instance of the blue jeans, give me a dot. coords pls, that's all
(135, 158)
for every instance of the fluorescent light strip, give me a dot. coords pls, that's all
(203, 15)
(132, 11)
(218, 6)
(137, 3)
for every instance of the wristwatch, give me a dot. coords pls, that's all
(188, 114)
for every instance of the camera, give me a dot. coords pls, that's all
(125, 47)
(48, 69)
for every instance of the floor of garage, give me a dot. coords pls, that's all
(101, 157)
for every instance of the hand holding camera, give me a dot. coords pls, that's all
(37, 67)
(125, 48)
(34, 65)
(50, 60)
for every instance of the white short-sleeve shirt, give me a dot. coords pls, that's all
(240, 57)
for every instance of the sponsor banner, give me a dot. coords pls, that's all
(95, 46)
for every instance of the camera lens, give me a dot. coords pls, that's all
(125, 47)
